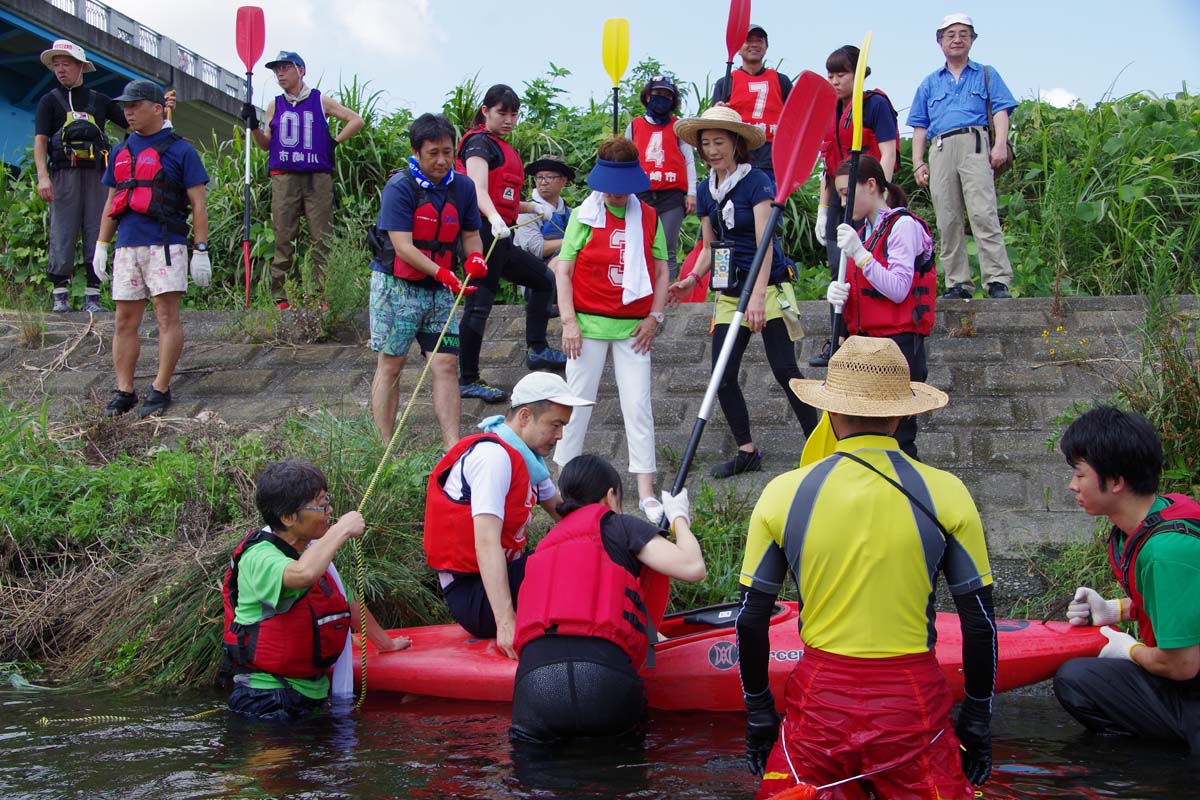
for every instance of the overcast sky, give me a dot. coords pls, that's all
(415, 51)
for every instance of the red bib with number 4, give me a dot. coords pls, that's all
(658, 150)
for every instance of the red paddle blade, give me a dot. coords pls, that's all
(801, 128)
(251, 35)
(739, 23)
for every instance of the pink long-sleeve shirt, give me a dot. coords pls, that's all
(907, 242)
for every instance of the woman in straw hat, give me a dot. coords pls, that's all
(865, 533)
(734, 205)
(612, 281)
(891, 277)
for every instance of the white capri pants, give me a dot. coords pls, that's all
(633, 388)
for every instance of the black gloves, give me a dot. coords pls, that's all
(762, 729)
(974, 730)
(249, 115)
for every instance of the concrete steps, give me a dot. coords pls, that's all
(991, 356)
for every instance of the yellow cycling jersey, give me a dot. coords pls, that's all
(864, 556)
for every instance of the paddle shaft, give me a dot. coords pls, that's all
(616, 99)
(727, 347)
(729, 80)
(847, 218)
(246, 195)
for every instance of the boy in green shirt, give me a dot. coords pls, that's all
(281, 579)
(1148, 688)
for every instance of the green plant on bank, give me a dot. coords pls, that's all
(1163, 385)
(1098, 193)
(127, 537)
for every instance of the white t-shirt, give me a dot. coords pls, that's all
(489, 474)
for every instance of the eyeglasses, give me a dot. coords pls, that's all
(327, 507)
(548, 178)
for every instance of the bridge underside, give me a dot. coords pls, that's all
(27, 27)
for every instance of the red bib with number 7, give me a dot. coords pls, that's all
(758, 99)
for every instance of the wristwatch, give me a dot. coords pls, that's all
(200, 247)
(657, 316)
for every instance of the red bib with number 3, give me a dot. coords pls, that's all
(600, 268)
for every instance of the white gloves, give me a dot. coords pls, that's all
(1120, 644)
(1089, 608)
(822, 223)
(837, 294)
(499, 227)
(849, 243)
(201, 268)
(544, 210)
(676, 506)
(100, 262)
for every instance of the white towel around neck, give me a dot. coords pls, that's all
(635, 277)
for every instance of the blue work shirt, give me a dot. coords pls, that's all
(943, 104)
(183, 167)
(397, 207)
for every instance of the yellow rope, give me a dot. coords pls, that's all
(360, 571)
(113, 718)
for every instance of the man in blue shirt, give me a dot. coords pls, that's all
(426, 210)
(153, 178)
(950, 111)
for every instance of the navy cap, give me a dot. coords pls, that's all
(142, 90)
(618, 177)
(286, 57)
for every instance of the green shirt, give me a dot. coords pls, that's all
(594, 326)
(261, 591)
(1168, 577)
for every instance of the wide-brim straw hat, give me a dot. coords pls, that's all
(868, 377)
(719, 118)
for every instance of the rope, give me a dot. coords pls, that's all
(360, 570)
(113, 718)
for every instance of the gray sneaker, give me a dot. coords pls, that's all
(91, 304)
(62, 303)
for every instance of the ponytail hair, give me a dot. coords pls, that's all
(585, 480)
(844, 59)
(499, 96)
(870, 169)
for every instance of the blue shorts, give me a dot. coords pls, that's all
(403, 311)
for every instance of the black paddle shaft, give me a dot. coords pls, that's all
(848, 218)
(616, 100)
(246, 204)
(719, 369)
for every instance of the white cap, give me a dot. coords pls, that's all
(957, 18)
(63, 47)
(545, 386)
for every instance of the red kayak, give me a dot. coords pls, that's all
(696, 667)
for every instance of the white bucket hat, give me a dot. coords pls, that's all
(957, 18)
(63, 47)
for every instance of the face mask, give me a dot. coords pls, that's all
(659, 106)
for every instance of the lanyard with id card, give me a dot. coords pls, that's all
(722, 264)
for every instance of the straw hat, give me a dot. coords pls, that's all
(722, 118)
(868, 377)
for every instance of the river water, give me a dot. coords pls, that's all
(423, 748)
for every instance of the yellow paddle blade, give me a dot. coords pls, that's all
(860, 75)
(821, 442)
(614, 47)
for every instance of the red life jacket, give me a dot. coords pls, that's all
(839, 137)
(449, 526)
(301, 640)
(505, 181)
(600, 268)
(145, 187)
(658, 150)
(573, 588)
(434, 233)
(758, 99)
(1182, 516)
(869, 312)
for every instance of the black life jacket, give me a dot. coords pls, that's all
(81, 141)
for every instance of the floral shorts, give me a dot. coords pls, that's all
(143, 272)
(402, 311)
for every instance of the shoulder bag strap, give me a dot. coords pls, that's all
(912, 498)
